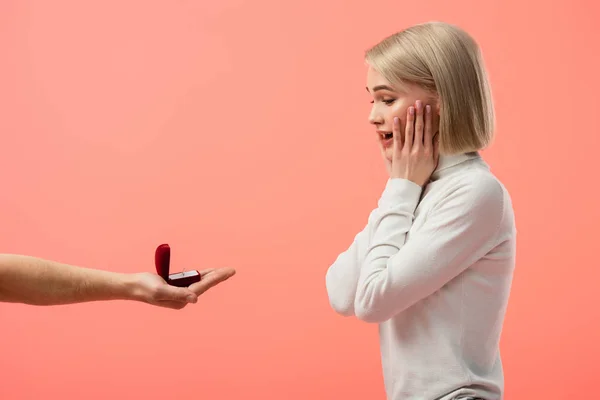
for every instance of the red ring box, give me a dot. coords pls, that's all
(162, 261)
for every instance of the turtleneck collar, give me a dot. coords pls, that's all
(447, 162)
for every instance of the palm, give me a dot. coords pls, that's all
(153, 284)
(154, 290)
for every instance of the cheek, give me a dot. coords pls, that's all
(399, 109)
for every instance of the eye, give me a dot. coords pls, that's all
(386, 101)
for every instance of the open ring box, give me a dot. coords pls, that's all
(162, 260)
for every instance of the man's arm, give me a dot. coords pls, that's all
(34, 281)
(397, 273)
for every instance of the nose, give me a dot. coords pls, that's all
(375, 117)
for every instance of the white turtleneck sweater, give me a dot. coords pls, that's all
(433, 267)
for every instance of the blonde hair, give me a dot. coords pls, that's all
(446, 61)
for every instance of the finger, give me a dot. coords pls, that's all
(206, 271)
(418, 140)
(409, 129)
(212, 279)
(398, 142)
(436, 148)
(427, 140)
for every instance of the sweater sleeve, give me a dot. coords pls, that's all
(459, 230)
(341, 278)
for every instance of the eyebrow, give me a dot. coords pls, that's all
(381, 87)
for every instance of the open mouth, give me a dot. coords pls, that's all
(387, 136)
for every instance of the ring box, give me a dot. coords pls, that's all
(162, 261)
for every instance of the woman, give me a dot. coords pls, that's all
(434, 264)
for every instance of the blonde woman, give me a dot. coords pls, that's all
(434, 264)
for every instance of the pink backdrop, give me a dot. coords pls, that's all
(237, 132)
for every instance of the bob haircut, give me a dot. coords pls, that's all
(444, 60)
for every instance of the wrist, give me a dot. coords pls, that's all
(399, 190)
(408, 179)
(128, 287)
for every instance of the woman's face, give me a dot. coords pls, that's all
(389, 102)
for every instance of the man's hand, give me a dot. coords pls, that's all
(152, 289)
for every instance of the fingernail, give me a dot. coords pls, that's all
(428, 108)
(418, 104)
(411, 110)
(396, 120)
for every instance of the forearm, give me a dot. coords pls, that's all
(342, 276)
(375, 284)
(460, 229)
(31, 280)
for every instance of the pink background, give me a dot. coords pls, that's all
(237, 132)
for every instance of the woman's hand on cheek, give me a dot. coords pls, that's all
(416, 157)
